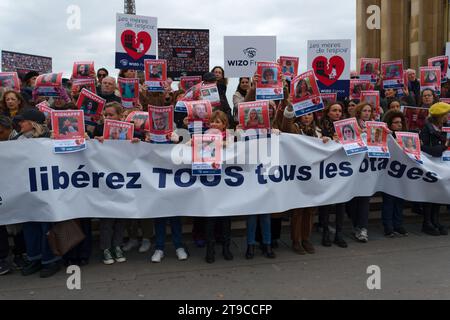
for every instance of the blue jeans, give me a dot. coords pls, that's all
(264, 219)
(392, 212)
(35, 234)
(160, 232)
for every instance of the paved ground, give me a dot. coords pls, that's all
(416, 267)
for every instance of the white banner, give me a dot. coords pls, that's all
(123, 180)
(447, 53)
(243, 52)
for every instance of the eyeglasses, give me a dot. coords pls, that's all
(101, 75)
(427, 95)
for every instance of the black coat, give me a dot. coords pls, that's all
(433, 141)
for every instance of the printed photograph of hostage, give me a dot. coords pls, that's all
(269, 76)
(348, 133)
(67, 126)
(160, 121)
(409, 145)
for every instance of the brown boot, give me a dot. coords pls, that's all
(298, 248)
(308, 247)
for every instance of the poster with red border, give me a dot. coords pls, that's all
(350, 136)
(369, 69)
(270, 84)
(92, 105)
(289, 67)
(129, 92)
(305, 94)
(392, 73)
(211, 93)
(373, 98)
(207, 151)
(254, 115)
(430, 78)
(118, 130)
(446, 155)
(415, 117)
(10, 81)
(161, 123)
(155, 74)
(68, 131)
(44, 107)
(141, 121)
(80, 84)
(199, 112)
(410, 143)
(377, 137)
(49, 85)
(442, 63)
(187, 83)
(357, 86)
(83, 70)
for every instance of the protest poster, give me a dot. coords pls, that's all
(83, 70)
(10, 81)
(68, 131)
(141, 121)
(136, 40)
(270, 84)
(155, 75)
(254, 115)
(377, 137)
(328, 98)
(118, 130)
(350, 136)
(80, 84)
(305, 95)
(415, 117)
(442, 63)
(211, 93)
(23, 63)
(199, 112)
(193, 94)
(187, 83)
(330, 60)
(242, 53)
(446, 155)
(44, 107)
(92, 105)
(369, 69)
(129, 91)
(410, 143)
(289, 67)
(392, 73)
(186, 51)
(430, 78)
(207, 154)
(372, 98)
(357, 86)
(161, 123)
(49, 85)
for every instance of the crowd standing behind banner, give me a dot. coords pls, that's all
(20, 119)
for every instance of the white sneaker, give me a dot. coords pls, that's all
(181, 254)
(157, 256)
(130, 245)
(364, 235)
(145, 246)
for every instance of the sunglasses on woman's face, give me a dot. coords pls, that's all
(101, 75)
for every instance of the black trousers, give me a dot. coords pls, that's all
(324, 216)
(359, 211)
(213, 224)
(84, 249)
(431, 214)
(19, 243)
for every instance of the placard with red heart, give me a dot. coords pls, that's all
(136, 46)
(328, 71)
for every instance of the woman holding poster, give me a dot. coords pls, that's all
(392, 208)
(364, 112)
(332, 114)
(11, 103)
(302, 218)
(434, 142)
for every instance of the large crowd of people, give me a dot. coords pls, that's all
(20, 119)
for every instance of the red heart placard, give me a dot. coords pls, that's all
(136, 46)
(328, 72)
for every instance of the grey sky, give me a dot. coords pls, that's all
(39, 27)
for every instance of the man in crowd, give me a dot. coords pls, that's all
(108, 89)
